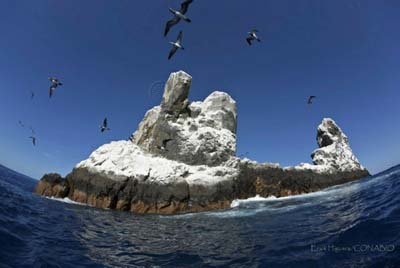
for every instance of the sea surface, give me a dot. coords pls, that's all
(352, 225)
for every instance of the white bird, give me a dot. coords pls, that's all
(252, 36)
(178, 16)
(176, 45)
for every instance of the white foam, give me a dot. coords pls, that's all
(333, 192)
(235, 203)
(66, 200)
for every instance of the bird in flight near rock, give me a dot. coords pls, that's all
(104, 127)
(33, 138)
(175, 45)
(178, 16)
(310, 100)
(54, 84)
(252, 36)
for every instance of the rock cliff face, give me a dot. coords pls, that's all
(199, 133)
(182, 159)
(334, 150)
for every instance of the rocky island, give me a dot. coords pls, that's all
(182, 158)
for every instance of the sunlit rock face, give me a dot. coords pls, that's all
(182, 158)
(198, 133)
(334, 150)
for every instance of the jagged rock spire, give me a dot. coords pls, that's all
(334, 148)
(176, 92)
(192, 133)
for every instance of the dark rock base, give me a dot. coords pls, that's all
(130, 194)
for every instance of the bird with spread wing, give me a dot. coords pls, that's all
(178, 16)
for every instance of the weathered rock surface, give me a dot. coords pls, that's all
(334, 148)
(198, 133)
(182, 159)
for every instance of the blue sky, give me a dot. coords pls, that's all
(108, 53)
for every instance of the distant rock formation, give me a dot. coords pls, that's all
(182, 159)
(334, 150)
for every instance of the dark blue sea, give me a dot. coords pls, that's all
(352, 225)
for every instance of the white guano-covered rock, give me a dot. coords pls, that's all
(176, 92)
(334, 151)
(123, 159)
(197, 133)
(182, 159)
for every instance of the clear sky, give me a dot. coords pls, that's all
(108, 53)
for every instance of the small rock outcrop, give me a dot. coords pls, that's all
(182, 158)
(334, 148)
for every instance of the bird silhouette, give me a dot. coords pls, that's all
(104, 127)
(176, 45)
(252, 35)
(310, 100)
(178, 16)
(33, 138)
(54, 84)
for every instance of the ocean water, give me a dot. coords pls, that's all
(352, 225)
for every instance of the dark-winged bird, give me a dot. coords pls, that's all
(175, 45)
(310, 99)
(104, 127)
(164, 144)
(178, 16)
(20, 123)
(252, 36)
(33, 138)
(32, 95)
(54, 84)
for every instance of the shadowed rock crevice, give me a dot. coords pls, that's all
(182, 158)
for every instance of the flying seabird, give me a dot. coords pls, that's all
(33, 138)
(20, 123)
(310, 99)
(54, 84)
(104, 127)
(252, 36)
(164, 144)
(32, 95)
(176, 45)
(178, 16)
